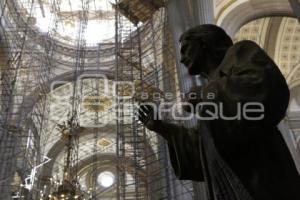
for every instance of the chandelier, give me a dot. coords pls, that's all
(69, 188)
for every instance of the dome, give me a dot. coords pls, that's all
(64, 19)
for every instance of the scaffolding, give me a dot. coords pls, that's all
(144, 54)
(25, 72)
(140, 54)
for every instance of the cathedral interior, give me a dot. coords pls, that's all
(73, 72)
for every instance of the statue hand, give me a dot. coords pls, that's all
(148, 117)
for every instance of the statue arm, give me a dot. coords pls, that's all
(183, 143)
(184, 150)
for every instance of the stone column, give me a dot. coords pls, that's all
(183, 15)
(7, 136)
(7, 162)
(8, 133)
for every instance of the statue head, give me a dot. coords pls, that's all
(203, 48)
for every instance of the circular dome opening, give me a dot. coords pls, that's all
(106, 179)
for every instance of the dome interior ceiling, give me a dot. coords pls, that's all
(63, 19)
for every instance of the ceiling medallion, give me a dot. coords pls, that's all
(104, 142)
(96, 103)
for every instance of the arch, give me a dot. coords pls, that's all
(291, 74)
(294, 84)
(58, 147)
(241, 12)
(32, 98)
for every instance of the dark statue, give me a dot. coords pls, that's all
(237, 158)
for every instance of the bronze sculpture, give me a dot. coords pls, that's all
(239, 158)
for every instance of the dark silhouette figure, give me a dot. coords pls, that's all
(237, 158)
